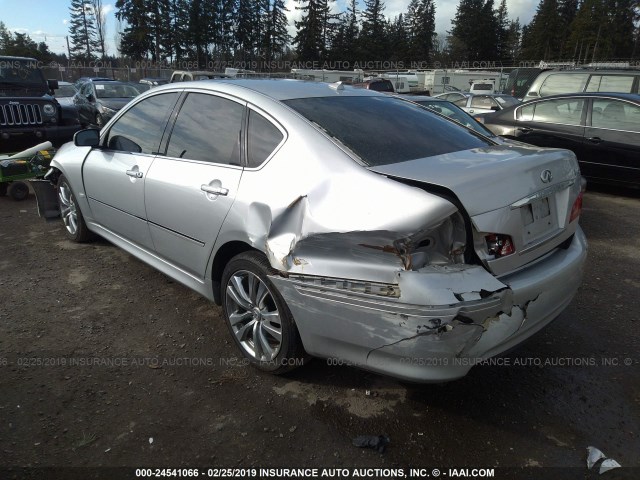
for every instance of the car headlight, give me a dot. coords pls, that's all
(48, 109)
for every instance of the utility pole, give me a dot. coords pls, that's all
(68, 48)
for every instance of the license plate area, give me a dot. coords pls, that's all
(538, 218)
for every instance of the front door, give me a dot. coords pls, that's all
(115, 174)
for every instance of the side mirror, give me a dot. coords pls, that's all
(53, 84)
(87, 138)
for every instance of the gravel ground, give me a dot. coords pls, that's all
(105, 362)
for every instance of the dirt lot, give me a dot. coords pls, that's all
(105, 362)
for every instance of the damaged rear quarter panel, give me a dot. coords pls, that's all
(321, 212)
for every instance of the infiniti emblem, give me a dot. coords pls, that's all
(546, 176)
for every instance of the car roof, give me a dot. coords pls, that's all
(423, 98)
(277, 89)
(623, 96)
(110, 82)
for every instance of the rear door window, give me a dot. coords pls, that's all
(615, 115)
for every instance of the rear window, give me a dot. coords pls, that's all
(386, 130)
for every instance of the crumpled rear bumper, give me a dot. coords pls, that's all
(422, 342)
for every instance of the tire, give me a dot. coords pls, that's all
(257, 316)
(3, 189)
(18, 191)
(75, 227)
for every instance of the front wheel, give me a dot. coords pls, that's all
(257, 316)
(75, 227)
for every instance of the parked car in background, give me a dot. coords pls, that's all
(99, 100)
(519, 81)
(555, 82)
(333, 221)
(189, 76)
(65, 93)
(486, 103)
(453, 97)
(452, 111)
(29, 114)
(376, 84)
(146, 83)
(602, 129)
(83, 80)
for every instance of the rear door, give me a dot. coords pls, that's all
(612, 141)
(190, 189)
(556, 123)
(114, 175)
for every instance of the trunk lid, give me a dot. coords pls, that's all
(486, 179)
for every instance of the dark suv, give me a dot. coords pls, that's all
(28, 113)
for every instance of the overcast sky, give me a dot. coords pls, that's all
(48, 19)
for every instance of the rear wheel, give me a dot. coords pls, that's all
(75, 227)
(257, 316)
(18, 190)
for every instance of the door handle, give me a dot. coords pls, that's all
(135, 173)
(595, 140)
(525, 130)
(214, 190)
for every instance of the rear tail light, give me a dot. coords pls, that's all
(499, 245)
(576, 210)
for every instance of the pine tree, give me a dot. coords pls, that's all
(373, 42)
(502, 20)
(474, 33)
(421, 26)
(276, 34)
(311, 37)
(398, 38)
(82, 30)
(136, 40)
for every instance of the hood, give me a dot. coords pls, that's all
(114, 103)
(485, 179)
(65, 101)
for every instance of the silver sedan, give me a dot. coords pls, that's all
(333, 222)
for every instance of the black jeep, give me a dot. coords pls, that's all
(28, 113)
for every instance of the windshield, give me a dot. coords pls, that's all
(65, 91)
(457, 114)
(116, 90)
(20, 71)
(383, 130)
